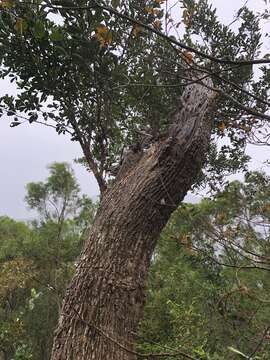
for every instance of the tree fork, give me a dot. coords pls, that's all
(104, 302)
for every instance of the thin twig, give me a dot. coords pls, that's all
(162, 35)
(121, 346)
(259, 343)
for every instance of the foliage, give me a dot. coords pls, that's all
(209, 288)
(103, 78)
(108, 75)
(56, 198)
(37, 260)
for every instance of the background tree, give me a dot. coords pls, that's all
(111, 78)
(207, 291)
(208, 286)
(16, 273)
(37, 261)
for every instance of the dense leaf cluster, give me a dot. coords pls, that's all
(103, 78)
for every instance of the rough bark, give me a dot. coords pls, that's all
(105, 299)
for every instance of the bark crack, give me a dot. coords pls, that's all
(108, 289)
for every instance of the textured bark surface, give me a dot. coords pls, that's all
(105, 299)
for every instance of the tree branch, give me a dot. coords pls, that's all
(162, 35)
(149, 355)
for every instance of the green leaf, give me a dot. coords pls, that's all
(33, 118)
(39, 30)
(13, 124)
(56, 35)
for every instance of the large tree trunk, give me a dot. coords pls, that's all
(105, 299)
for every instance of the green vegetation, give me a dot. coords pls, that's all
(112, 75)
(208, 292)
(102, 79)
(37, 260)
(209, 282)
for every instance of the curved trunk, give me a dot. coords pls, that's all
(105, 299)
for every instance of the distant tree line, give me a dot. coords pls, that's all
(208, 291)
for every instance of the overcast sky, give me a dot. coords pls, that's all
(26, 150)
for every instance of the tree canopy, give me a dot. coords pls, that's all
(154, 80)
(37, 260)
(107, 73)
(208, 285)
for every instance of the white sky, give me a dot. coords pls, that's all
(26, 150)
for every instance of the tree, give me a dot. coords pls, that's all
(61, 232)
(16, 273)
(208, 285)
(110, 77)
(37, 261)
(207, 297)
